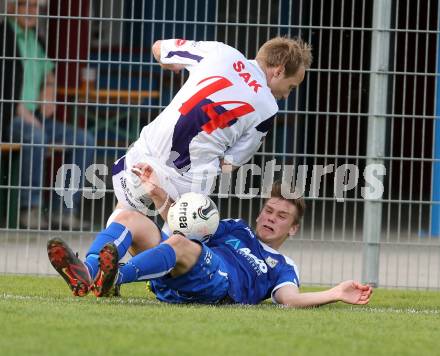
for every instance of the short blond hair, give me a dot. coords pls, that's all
(290, 52)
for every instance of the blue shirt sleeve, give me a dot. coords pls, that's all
(288, 275)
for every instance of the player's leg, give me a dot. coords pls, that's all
(187, 253)
(125, 222)
(129, 229)
(128, 226)
(206, 282)
(176, 255)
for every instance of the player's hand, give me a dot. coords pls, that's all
(353, 292)
(147, 176)
(149, 180)
(151, 184)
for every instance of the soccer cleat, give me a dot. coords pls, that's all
(69, 266)
(105, 282)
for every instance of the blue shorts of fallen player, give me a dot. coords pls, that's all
(206, 283)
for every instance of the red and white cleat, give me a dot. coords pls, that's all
(69, 266)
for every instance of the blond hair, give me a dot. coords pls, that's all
(291, 53)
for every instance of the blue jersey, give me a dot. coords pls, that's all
(255, 270)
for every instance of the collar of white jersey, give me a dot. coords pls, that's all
(259, 69)
(268, 248)
(288, 260)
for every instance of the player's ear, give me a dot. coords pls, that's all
(293, 229)
(279, 71)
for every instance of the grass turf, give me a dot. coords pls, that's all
(39, 317)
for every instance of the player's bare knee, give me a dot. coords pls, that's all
(145, 234)
(125, 217)
(185, 249)
(177, 241)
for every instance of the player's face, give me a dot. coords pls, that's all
(25, 7)
(276, 222)
(282, 86)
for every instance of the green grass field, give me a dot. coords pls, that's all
(39, 317)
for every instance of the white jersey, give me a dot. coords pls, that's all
(223, 111)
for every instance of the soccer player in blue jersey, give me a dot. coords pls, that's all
(236, 265)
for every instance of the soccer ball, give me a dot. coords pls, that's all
(194, 215)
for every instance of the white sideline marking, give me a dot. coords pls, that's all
(141, 300)
(398, 311)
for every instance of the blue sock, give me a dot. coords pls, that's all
(150, 264)
(116, 233)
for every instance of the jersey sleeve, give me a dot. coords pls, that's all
(248, 144)
(188, 53)
(288, 275)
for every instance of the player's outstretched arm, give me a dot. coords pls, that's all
(350, 292)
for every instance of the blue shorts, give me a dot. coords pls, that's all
(206, 283)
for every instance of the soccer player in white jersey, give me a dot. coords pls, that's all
(235, 265)
(218, 117)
